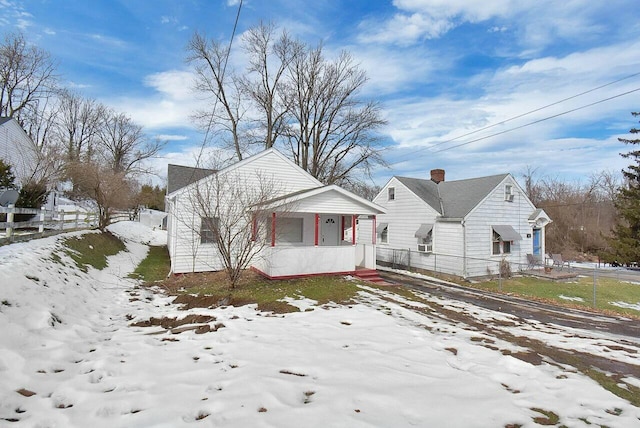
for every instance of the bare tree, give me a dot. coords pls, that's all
(26, 75)
(79, 121)
(223, 88)
(305, 103)
(269, 59)
(333, 134)
(228, 212)
(123, 145)
(111, 190)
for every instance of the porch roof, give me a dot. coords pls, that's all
(325, 199)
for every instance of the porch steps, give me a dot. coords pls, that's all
(370, 275)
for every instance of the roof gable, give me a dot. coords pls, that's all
(179, 176)
(460, 197)
(321, 199)
(277, 158)
(453, 199)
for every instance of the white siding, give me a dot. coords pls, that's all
(331, 202)
(494, 210)
(17, 149)
(404, 215)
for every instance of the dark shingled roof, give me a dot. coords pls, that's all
(179, 176)
(453, 199)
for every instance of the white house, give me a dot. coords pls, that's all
(17, 150)
(463, 227)
(302, 233)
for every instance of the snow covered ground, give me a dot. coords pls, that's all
(69, 357)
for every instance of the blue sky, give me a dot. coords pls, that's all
(440, 69)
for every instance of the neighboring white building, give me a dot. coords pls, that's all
(462, 227)
(17, 150)
(304, 232)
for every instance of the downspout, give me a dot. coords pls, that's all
(464, 249)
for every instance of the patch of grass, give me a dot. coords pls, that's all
(630, 393)
(155, 267)
(607, 290)
(213, 288)
(92, 249)
(549, 417)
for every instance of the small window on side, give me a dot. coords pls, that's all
(391, 193)
(508, 193)
(384, 235)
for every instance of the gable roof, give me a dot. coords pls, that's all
(453, 199)
(357, 204)
(245, 161)
(4, 120)
(179, 176)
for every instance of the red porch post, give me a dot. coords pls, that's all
(373, 235)
(353, 229)
(273, 229)
(317, 230)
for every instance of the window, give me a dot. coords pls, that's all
(208, 229)
(289, 229)
(391, 191)
(382, 230)
(426, 244)
(508, 193)
(496, 243)
(425, 237)
(500, 246)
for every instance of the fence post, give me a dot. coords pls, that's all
(595, 281)
(409, 259)
(41, 225)
(9, 232)
(61, 215)
(500, 277)
(76, 223)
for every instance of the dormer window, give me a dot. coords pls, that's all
(391, 192)
(508, 193)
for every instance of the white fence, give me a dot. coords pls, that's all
(21, 224)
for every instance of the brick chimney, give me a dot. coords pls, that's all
(437, 175)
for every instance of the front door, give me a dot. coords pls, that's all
(329, 225)
(537, 243)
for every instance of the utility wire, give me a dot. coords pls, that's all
(215, 103)
(522, 115)
(540, 120)
(537, 109)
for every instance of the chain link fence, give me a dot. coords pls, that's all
(503, 269)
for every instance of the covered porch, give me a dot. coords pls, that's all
(313, 233)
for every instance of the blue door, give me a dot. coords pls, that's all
(537, 249)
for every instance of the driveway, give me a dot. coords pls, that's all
(521, 308)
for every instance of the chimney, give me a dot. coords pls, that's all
(437, 175)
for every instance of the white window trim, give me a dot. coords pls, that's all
(391, 194)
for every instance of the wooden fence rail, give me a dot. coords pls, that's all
(41, 222)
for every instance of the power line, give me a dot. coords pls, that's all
(224, 69)
(525, 114)
(540, 120)
(537, 109)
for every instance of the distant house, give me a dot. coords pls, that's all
(17, 150)
(463, 227)
(302, 226)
